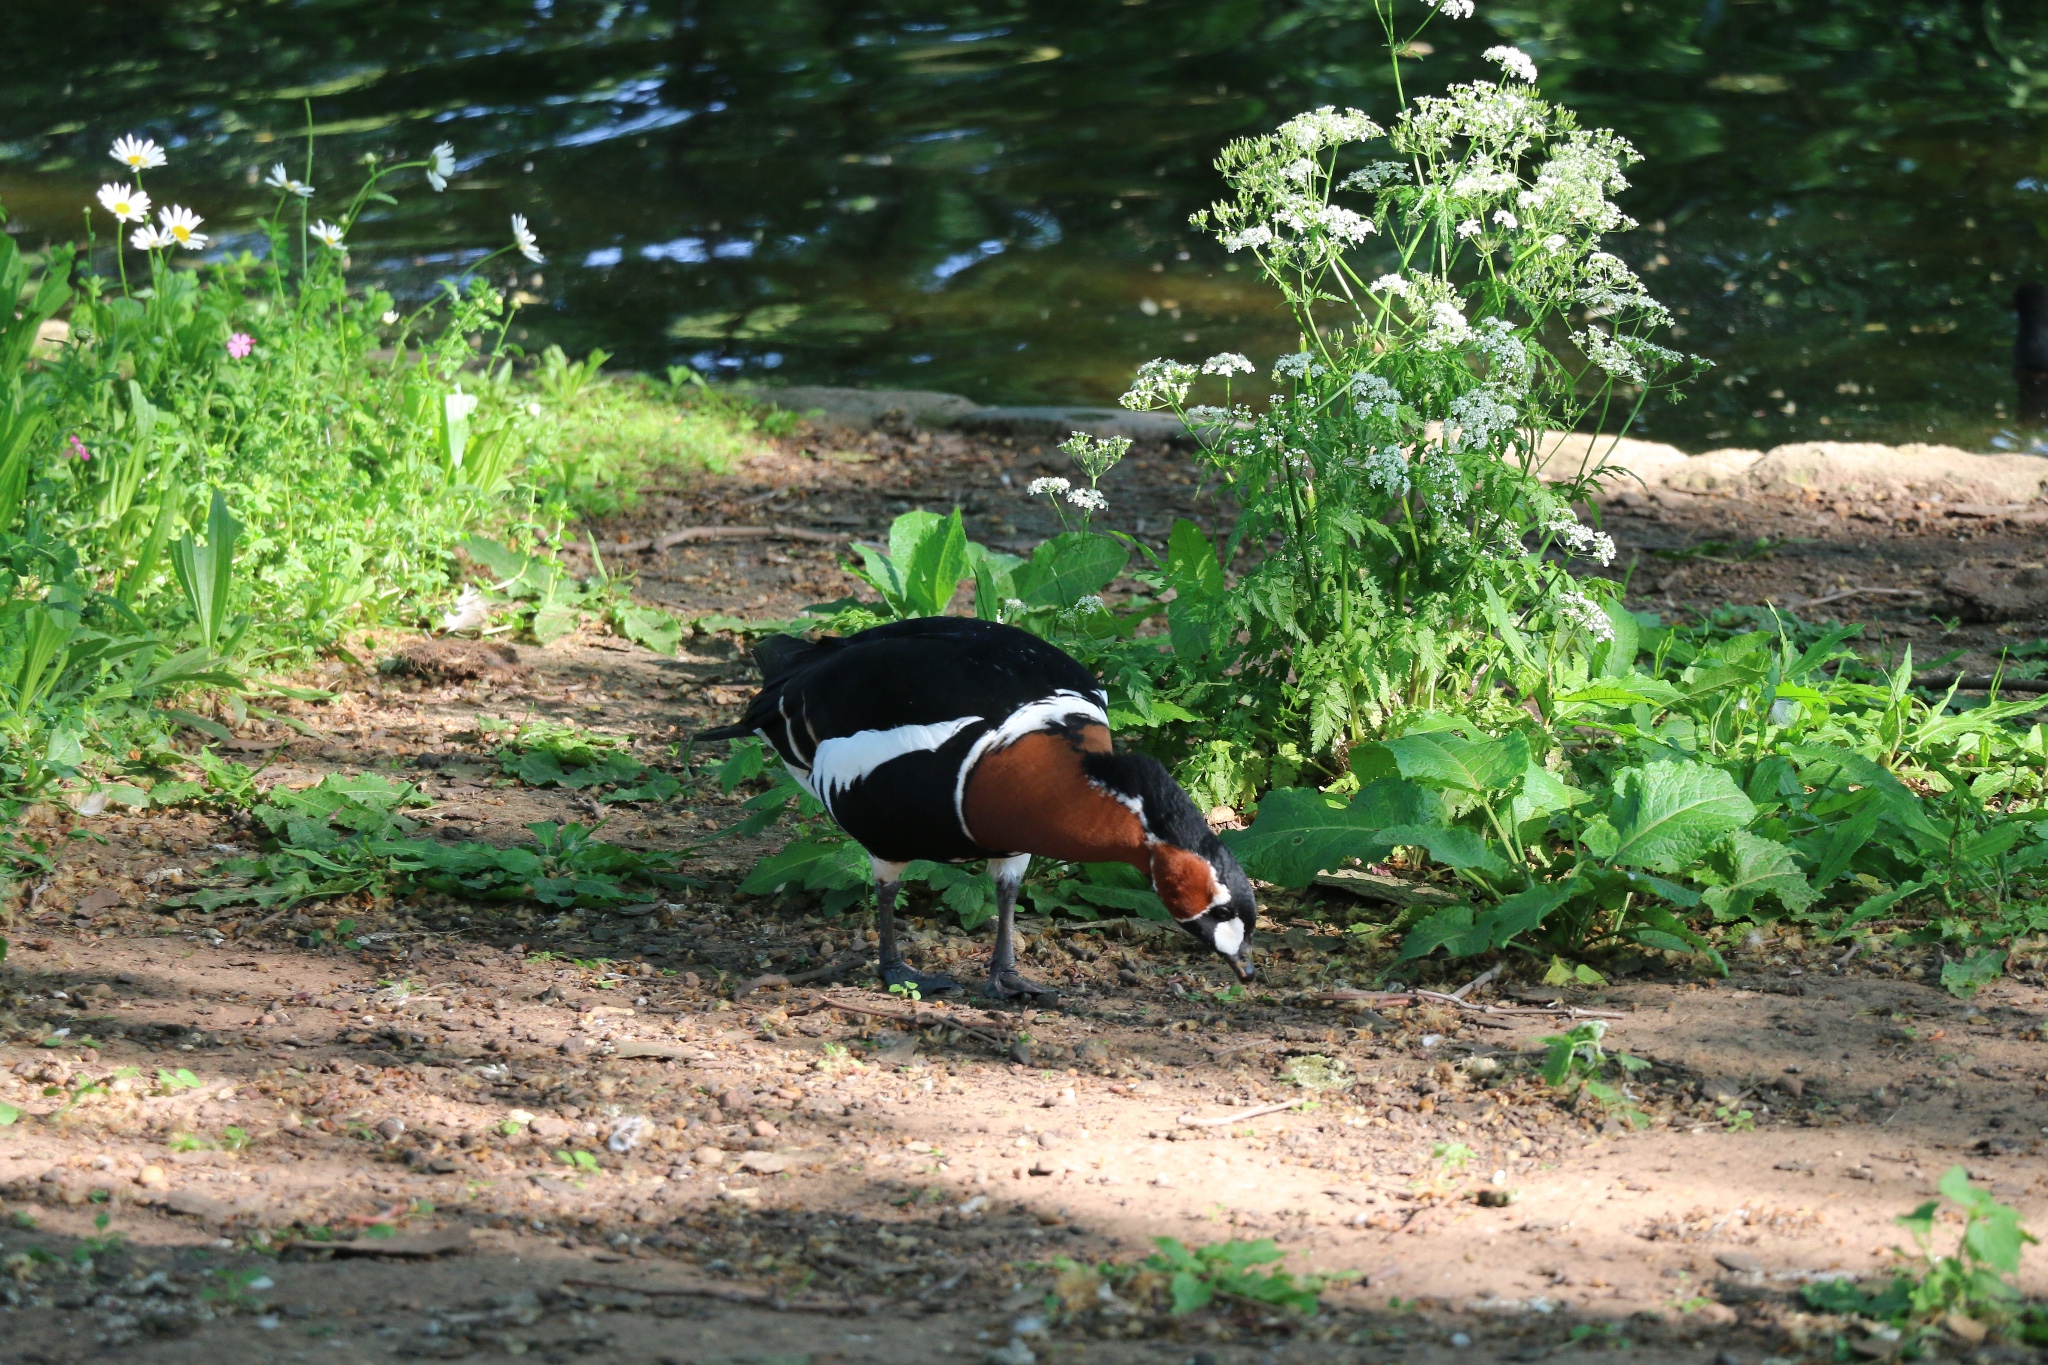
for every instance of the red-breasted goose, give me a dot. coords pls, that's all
(957, 740)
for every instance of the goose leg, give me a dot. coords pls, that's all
(1003, 981)
(895, 971)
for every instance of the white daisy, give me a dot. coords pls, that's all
(279, 179)
(128, 205)
(327, 233)
(441, 165)
(137, 153)
(523, 238)
(148, 238)
(181, 228)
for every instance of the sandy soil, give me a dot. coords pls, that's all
(816, 1180)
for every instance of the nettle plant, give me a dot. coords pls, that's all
(1456, 308)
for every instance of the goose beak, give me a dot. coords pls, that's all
(1242, 965)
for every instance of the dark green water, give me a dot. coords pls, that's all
(992, 198)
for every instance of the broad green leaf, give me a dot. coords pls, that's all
(651, 628)
(1617, 657)
(552, 623)
(1881, 904)
(936, 566)
(1192, 569)
(1666, 815)
(1761, 868)
(1993, 842)
(1300, 832)
(1964, 979)
(816, 865)
(1452, 846)
(1439, 759)
(1463, 932)
(1543, 793)
(1069, 567)
(1450, 928)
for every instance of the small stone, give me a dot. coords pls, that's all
(1016, 1353)
(575, 1047)
(735, 1100)
(709, 1156)
(391, 1129)
(153, 1178)
(1020, 1052)
(549, 1128)
(763, 1128)
(1460, 1340)
(1741, 1262)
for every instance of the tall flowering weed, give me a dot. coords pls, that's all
(1448, 275)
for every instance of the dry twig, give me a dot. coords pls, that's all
(1187, 1121)
(1440, 998)
(801, 1303)
(933, 1018)
(845, 962)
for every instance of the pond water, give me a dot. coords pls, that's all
(992, 198)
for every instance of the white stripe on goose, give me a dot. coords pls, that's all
(839, 763)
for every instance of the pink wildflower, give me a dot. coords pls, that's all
(75, 448)
(239, 345)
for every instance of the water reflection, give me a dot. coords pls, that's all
(991, 196)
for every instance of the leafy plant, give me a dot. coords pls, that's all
(543, 753)
(1198, 1275)
(1974, 1282)
(1576, 1062)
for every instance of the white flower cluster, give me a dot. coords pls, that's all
(1508, 356)
(1441, 477)
(1469, 228)
(1227, 363)
(1575, 182)
(1513, 61)
(1579, 539)
(1385, 470)
(1610, 287)
(1096, 455)
(1054, 486)
(1389, 284)
(1375, 395)
(1626, 358)
(1375, 175)
(1452, 9)
(1088, 499)
(1482, 420)
(1576, 610)
(1159, 384)
(1506, 219)
(1448, 330)
(1206, 415)
(1300, 365)
(1326, 127)
(1253, 237)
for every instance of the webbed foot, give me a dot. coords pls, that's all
(1005, 984)
(901, 973)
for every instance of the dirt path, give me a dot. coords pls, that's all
(371, 1162)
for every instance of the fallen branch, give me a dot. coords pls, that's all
(766, 1298)
(1188, 1121)
(689, 534)
(1484, 978)
(1982, 682)
(1440, 998)
(934, 1019)
(1847, 593)
(845, 962)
